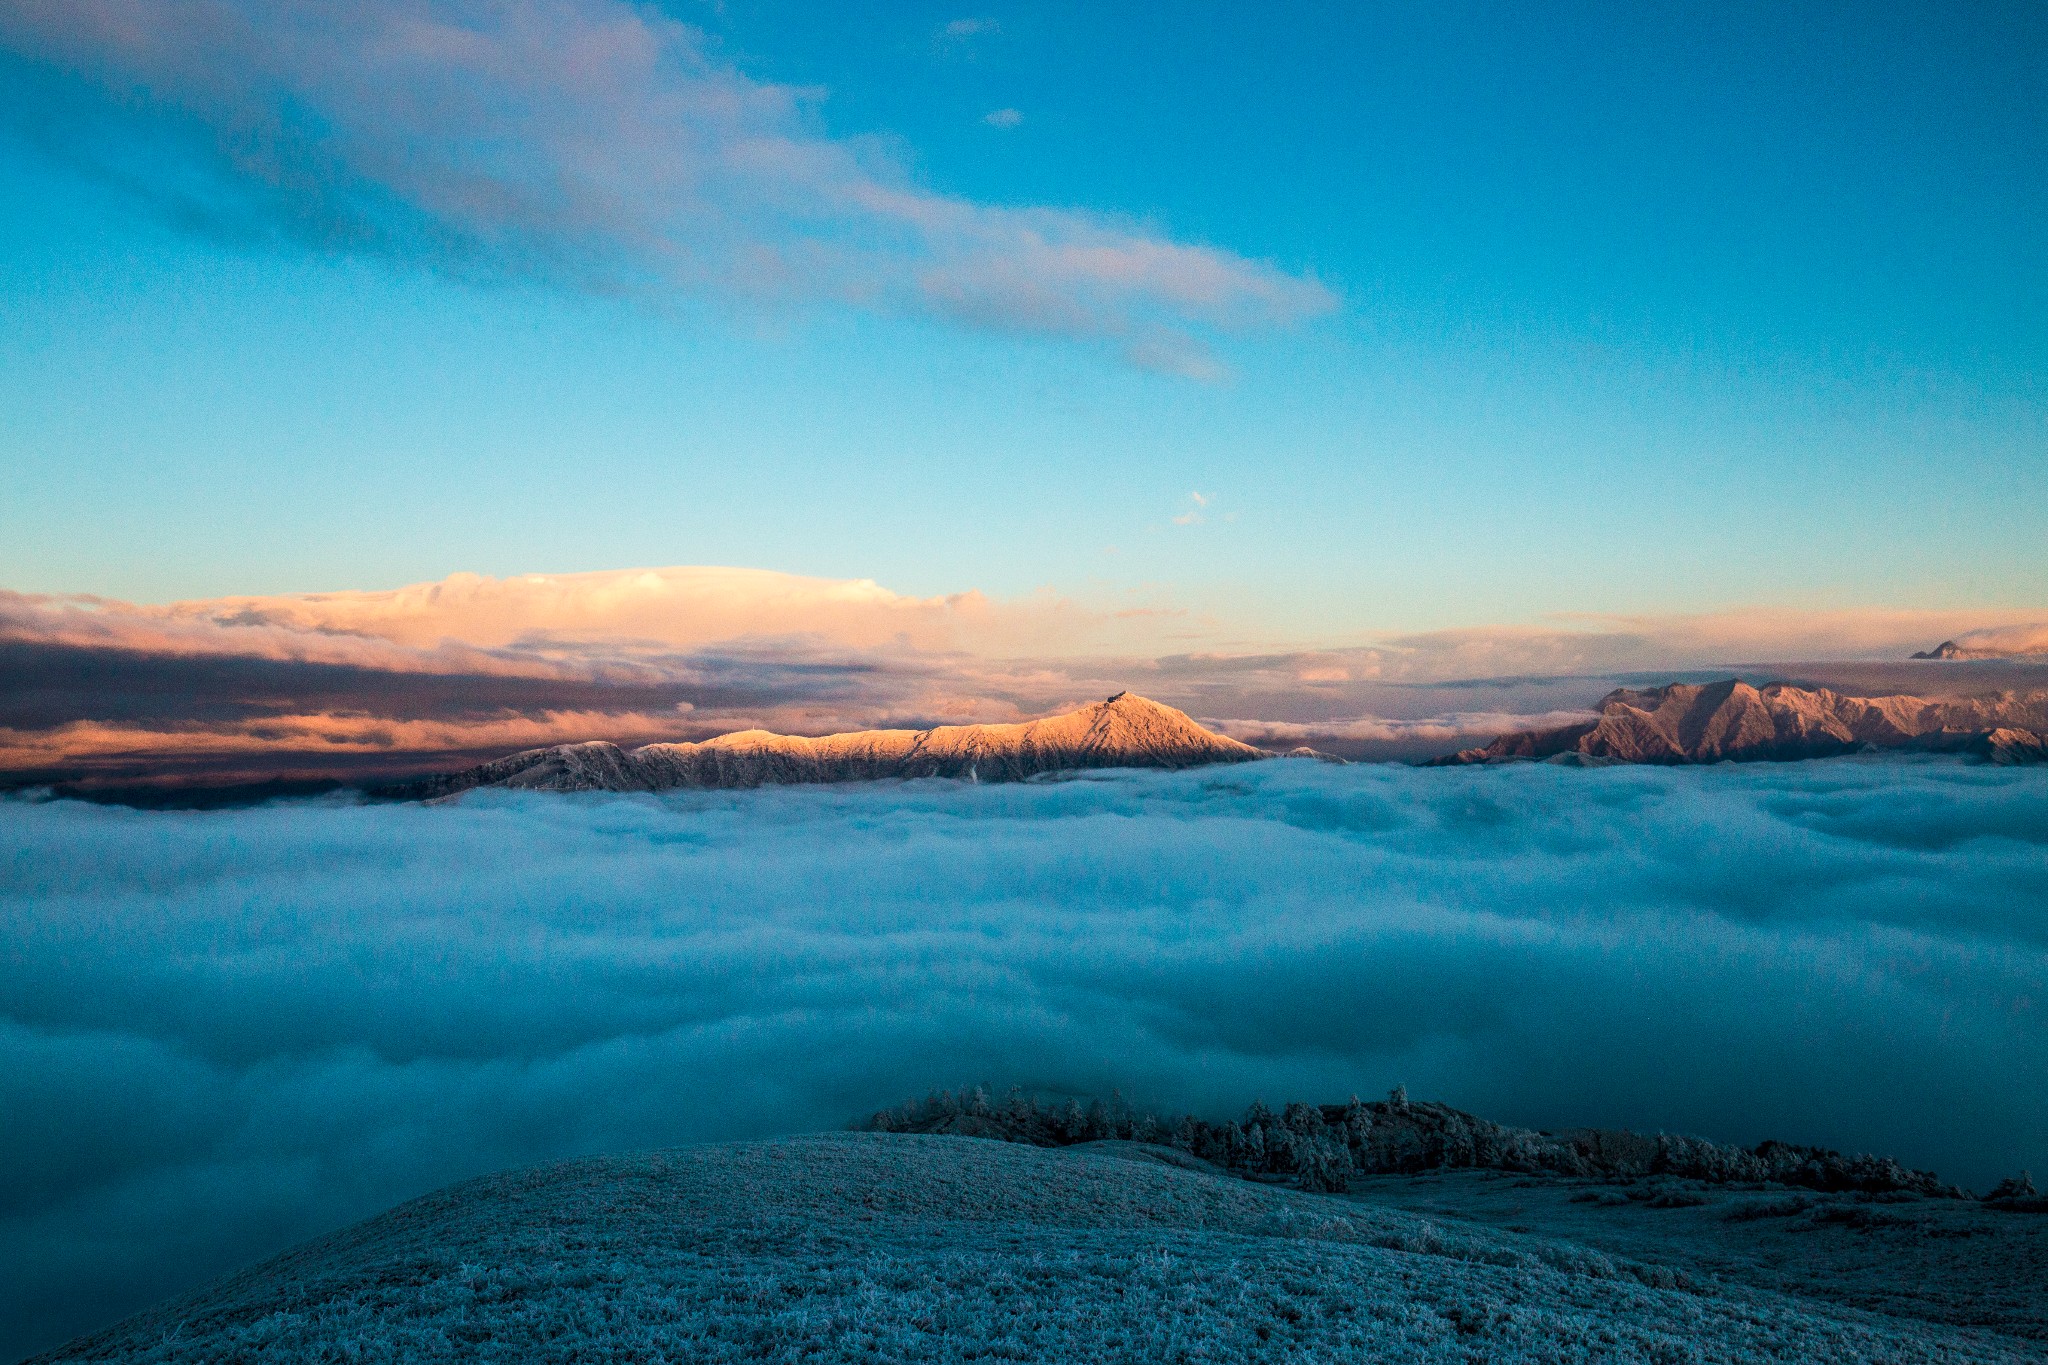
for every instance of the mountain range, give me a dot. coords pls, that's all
(1126, 731)
(1675, 723)
(1709, 723)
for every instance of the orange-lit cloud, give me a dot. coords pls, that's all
(537, 624)
(313, 737)
(430, 675)
(2004, 641)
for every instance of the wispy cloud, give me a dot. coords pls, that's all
(601, 145)
(529, 622)
(972, 28)
(2025, 638)
(1197, 509)
(1002, 118)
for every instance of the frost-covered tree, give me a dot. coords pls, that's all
(1280, 1144)
(1097, 1126)
(2019, 1186)
(1458, 1146)
(1020, 1113)
(1074, 1122)
(1302, 1119)
(1216, 1142)
(1322, 1165)
(1357, 1122)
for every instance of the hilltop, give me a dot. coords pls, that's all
(908, 1248)
(1126, 731)
(1708, 723)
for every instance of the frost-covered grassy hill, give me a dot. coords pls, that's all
(898, 1247)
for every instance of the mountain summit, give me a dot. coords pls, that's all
(1126, 731)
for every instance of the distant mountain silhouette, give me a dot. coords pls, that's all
(1124, 732)
(1693, 723)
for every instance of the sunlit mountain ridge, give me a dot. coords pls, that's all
(1125, 731)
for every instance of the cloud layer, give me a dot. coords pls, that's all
(603, 145)
(221, 1032)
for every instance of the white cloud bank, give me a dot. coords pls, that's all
(604, 145)
(221, 1032)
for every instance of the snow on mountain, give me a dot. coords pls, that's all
(1695, 723)
(1125, 731)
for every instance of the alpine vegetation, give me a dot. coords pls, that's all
(1320, 1147)
(864, 1247)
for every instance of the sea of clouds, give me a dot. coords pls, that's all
(221, 1032)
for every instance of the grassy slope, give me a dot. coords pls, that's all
(879, 1247)
(1945, 1261)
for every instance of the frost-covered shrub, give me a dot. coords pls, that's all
(2018, 1193)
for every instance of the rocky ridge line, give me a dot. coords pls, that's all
(1731, 720)
(1126, 731)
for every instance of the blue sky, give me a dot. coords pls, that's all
(1631, 313)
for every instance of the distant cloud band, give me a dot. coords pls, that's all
(435, 675)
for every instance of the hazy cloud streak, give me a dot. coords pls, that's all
(605, 145)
